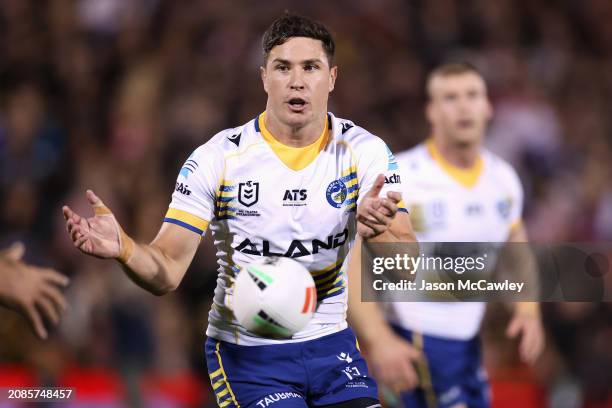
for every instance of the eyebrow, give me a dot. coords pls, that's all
(305, 62)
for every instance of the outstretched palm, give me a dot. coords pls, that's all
(97, 235)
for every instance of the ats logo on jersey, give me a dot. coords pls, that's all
(393, 179)
(248, 193)
(294, 198)
(182, 188)
(336, 193)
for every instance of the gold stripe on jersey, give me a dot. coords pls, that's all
(296, 158)
(186, 218)
(466, 177)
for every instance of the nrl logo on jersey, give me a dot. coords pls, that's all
(248, 193)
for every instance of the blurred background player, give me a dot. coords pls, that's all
(237, 183)
(33, 291)
(457, 191)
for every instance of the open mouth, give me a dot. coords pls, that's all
(297, 104)
(465, 123)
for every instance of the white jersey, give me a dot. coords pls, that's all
(447, 204)
(262, 198)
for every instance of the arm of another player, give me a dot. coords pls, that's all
(390, 358)
(526, 319)
(157, 267)
(32, 291)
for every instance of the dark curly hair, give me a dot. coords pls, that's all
(291, 25)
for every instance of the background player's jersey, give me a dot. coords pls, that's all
(263, 198)
(448, 205)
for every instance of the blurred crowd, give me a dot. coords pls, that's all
(114, 95)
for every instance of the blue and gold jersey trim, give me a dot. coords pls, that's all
(329, 281)
(225, 196)
(186, 220)
(349, 178)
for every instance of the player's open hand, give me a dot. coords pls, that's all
(375, 214)
(391, 362)
(32, 291)
(98, 235)
(529, 327)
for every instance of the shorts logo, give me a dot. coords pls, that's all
(336, 193)
(277, 396)
(248, 193)
(344, 357)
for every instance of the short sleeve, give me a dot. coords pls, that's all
(193, 200)
(374, 158)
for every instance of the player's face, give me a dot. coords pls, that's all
(459, 108)
(298, 79)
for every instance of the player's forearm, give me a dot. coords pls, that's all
(152, 270)
(367, 320)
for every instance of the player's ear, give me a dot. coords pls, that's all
(333, 74)
(264, 75)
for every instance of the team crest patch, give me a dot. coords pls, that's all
(336, 193)
(503, 207)
(248, 193)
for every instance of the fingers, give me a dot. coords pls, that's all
(55, 296)
(394, 196)
(377, 187)
(513, 328)
(36, 321)
(15, 252)
(48, 309)
(55, 278)
(532, 343)
(97, 204)
(388, 207)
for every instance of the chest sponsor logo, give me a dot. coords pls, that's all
(295, 198)
(182, 188)
(336, 193)
(473, 209)
(248, 193)
(296, 249)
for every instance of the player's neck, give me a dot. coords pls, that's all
(464, 156)
(294, 136)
